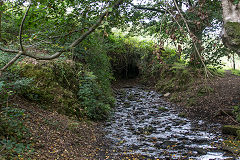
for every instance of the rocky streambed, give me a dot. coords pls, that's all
(144, 124)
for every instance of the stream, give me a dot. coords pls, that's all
(144, 124)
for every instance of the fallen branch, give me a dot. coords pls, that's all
(3, 147)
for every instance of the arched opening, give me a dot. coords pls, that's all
(130, 71)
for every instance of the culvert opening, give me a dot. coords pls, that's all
(130, 71)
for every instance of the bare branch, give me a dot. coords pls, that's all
(98, 23)
(61, 36)
(21, 27)
(50, 57)
(79, 40)
(149, 9)
(8, 50)
(11, 62)
(20, 43)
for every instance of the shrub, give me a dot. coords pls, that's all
(96, 105)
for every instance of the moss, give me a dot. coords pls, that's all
(233, 146)
(233, 28)
(162, 109)
(175, 78)
(233, 32)
(49, 87)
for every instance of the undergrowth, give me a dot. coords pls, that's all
(14, 136)
(177, 77)
(235, 72)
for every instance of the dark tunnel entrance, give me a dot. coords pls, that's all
(130, 71)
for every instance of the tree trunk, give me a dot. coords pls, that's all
(231, 18)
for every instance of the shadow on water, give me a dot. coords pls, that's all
(144, 124)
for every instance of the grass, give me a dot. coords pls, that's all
(220, 72)
(236, 72)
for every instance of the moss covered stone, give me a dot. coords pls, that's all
(231, 130)
(233, 31)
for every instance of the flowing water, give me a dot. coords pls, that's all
(145, 124)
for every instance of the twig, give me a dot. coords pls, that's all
(148, 8)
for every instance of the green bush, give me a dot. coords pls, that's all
(95, 104)
(236, 72)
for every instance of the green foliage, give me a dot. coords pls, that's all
(204, 90)
(95, 104)
(14, 139)
(124, 51)
(217, 72)
(170, 56)
(236, 72)
(98, 62)
(10, 82)
(236, 111)
(94, 93)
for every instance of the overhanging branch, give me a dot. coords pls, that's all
(149, 8)
(57, 54)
